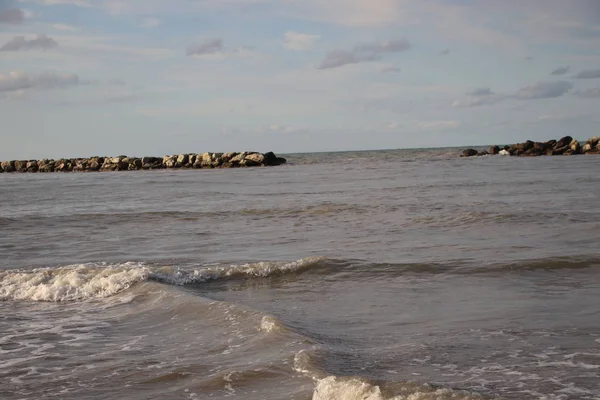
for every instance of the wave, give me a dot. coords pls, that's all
(331, 387)
(127, 217)
(100, 280)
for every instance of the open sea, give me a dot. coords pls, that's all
(407, 274)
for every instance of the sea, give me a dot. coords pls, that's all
(375, 275)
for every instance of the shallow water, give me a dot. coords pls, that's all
(372, 275)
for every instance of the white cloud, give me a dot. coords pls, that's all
(299, 41)
(150, 23)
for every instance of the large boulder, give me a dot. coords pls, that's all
(256, 158)
(170, 161)
(8, 166)
(575, 146)
(469, 153)
(494, 150)
(183, 159)
(565, 141)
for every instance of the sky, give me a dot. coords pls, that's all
(155, 77)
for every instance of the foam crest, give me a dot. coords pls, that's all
(258, 270)
(335, 388)
(70, 283)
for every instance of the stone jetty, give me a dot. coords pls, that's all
(124, 163)
(566, 146)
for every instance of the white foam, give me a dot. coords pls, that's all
(333, 388)
(260, 269)
(80, 282)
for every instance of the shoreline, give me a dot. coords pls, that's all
(125, 163)
(566, 146)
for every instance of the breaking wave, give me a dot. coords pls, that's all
(89, 281)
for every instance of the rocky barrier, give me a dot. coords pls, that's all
(124, 163)
(566, 146)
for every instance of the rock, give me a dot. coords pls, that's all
(46, 166)
(135, 164)
(8, 166)
(256, 158)
(21, 166)
(565, 141)
(587, 147)
(183, 159)
(494, 150)
(550, 143)
(575, 146)
(32, 166)
(280, 161)
(469, 153)
(594, 141)
(170, 161)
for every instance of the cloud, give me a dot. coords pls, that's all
(444, 52)
(588, 93)
(477, 101)
(208, 46)
(588, 74)
(437, 125)
(363, 53)
(79, 3)
(481, 92)
(117, 82)
(299, 41)
(41, 42)
(66, 28)
(390, 69)
(544, 90)
(150, 23)
(18, 80)
(12, 16)
(560, 71)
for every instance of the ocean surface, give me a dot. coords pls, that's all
(413, 275)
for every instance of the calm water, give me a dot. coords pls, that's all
(374, 275)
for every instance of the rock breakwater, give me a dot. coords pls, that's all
(124, 163)
(566, 146)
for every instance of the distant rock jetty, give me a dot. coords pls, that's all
(566, 146)
(124, 163)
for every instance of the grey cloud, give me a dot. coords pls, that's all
(363, 53)
(41, 42)
(588, 93)
(445, 52)
(15, 81)
(117, 82)
(560, 71)
(589, 74)
(12, 16)
(391, 69)
(209, 46)
(544, 90)
(478, 101)
(481, 92)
